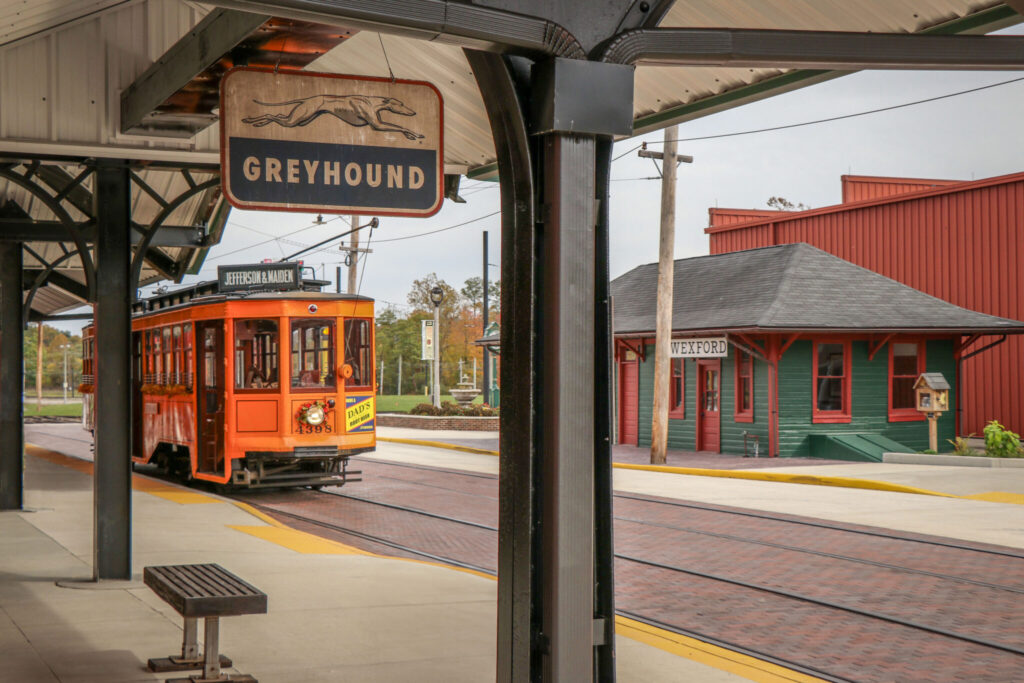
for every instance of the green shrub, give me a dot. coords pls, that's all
(450, 409)
(960, 446)
(928, 451)
(1000, 442)
(425, 409)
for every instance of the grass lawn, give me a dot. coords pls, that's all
(58, 409)
(390, 403)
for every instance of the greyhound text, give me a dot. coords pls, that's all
(317, 172)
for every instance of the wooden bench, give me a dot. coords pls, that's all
(206, 591)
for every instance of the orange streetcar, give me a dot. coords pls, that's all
(257, 380)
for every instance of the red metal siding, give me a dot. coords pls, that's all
(718, 217)
(858, 187)
(961, 243)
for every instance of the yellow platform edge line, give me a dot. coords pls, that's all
(284, 527)
(814, 480)
(714, 656)
(438, 444)
(998, 497)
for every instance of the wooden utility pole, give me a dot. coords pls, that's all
(353, 252)
(666, 273)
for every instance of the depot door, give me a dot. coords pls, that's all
(628, 399)
(709, 428)
(210, 396)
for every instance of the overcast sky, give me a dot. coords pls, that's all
(967, 137)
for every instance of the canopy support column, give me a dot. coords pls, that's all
(12, 331)
(555, 589)
(112, 479)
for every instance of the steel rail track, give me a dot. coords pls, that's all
(828, 603)
(821, 553)
(756, 515)
(730, 537)
(734, 647)
(796, 666)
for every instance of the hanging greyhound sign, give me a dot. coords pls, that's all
(325, 143)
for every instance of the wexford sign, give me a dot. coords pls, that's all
(331, 144)
(700, 347)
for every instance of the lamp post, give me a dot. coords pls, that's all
(436, 296)
(65, 348)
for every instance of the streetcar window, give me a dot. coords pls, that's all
(256, 354)
(158, 359)
(168, 377)
(189, 360)
(312, 353)
(179, 371)
(358, 352)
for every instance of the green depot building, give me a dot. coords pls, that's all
(789, 351)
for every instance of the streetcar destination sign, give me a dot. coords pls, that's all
(259, 277)
(327, 143)
(699, 347)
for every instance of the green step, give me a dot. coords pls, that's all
(857, 447)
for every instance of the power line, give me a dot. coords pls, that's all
(273, 239)
(450, 227)
(831, 118)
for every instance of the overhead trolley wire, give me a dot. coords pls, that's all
(826, 120)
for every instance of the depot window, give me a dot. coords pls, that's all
(359, 352)
(906, 363)
(312, 354)
(677, 389)
(744, 409)
(256, 353)
(832, 395)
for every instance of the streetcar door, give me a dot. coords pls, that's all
(137, 370)
(210, 396)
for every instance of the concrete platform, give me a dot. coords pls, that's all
(334, 613)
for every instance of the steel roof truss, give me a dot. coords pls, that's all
(216, 35)
(755, 48)
(28, 230)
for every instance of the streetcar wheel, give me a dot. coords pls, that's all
(316, 487)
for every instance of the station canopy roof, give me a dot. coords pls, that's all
(138, 80)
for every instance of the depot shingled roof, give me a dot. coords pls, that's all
(793, 287)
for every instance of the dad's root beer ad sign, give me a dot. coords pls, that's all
(331, 144)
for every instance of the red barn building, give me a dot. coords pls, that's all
(959, 241)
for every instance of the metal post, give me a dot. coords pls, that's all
(381, 383)
(39, 367)
(566, 415)
(437, 358)
(399, 375)
(211, 649)
(337, 280)
(12, 335)
(65, 347)
(486, 317)
(112, 479)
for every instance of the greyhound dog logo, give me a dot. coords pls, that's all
(355, 110)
